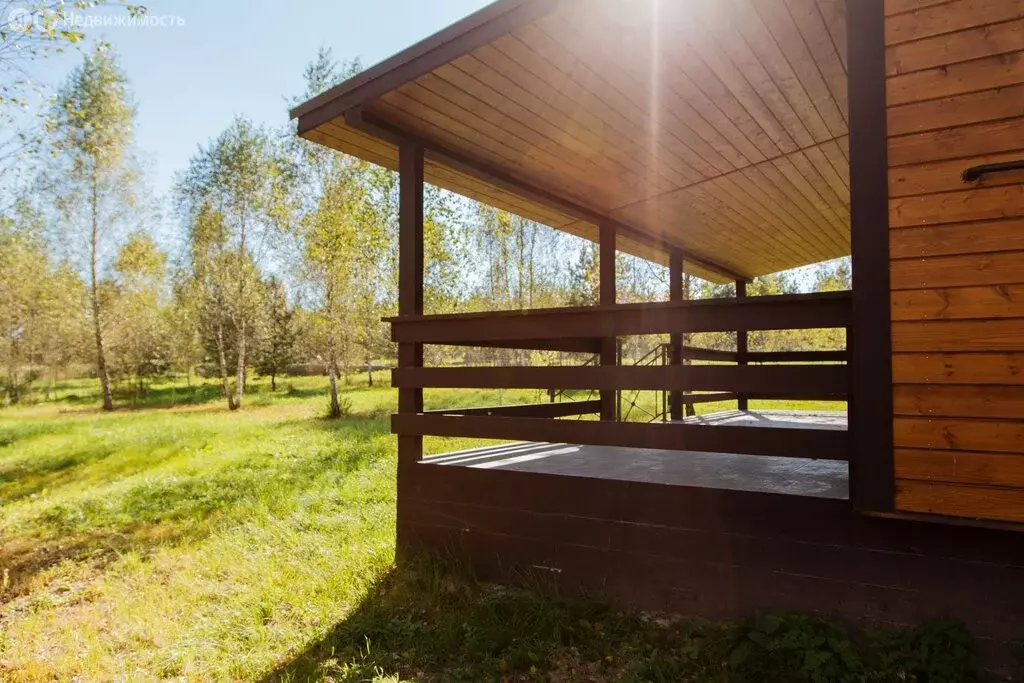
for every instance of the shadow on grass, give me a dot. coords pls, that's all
(175, 395)
(25, 479)
(153, 396)
(15, 433)
(431, 621)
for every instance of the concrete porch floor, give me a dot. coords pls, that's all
(738, 472)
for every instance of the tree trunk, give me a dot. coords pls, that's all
(225, 387)
(13, 393)
(273, 381)
(332, 374)
(240, 376)
(240, 309)
(101, 356)
(369, 371)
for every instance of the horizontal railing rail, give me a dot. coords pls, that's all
(821, 444)
(694, 399)
(797, 311)
(797, 356)
(565, 345)
(695, 353)
(560, 409)
(786, 381)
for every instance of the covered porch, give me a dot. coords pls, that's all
(711, 138)
(728, 140)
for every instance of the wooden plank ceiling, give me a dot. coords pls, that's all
(717, 127)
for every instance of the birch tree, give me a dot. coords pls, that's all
(93, 122)
(337, 250)
(240, 182)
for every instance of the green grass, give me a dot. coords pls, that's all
(174, 539)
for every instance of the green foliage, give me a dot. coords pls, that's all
(798, 648)
(234, 199)
(42, 324)
(340, 410)
(434, 621)
(137, 326)
(93, 119)
(939, 651)
(278, 332)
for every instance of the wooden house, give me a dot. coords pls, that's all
(729, 139)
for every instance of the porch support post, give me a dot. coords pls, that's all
(607, 298)
(675, 294)
(410, 283)
(741, 344)
(872, 472)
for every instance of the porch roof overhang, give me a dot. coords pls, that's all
(719, 129)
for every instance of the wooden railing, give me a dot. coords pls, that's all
(806, 375)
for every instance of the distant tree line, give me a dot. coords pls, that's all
(283, 253)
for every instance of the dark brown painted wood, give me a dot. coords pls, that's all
(607, 286)
(820, 444)
(719, 553)
(694, 399)
(904, 570)
(696, 353)
(807, 382)
(675, 294)
(797, 356)
(872, 479)
(567, 345)
(817, 520)
(560, 409)
(742, 401)
(410, 303)
(797, 311)
(410, 273)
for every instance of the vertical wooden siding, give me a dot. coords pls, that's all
(955, 93)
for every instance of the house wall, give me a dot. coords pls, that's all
(955, 99)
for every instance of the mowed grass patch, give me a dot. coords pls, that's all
(184, 540)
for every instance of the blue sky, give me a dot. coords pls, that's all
(245, 57)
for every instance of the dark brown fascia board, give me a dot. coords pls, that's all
(462, 37)
(372, 125)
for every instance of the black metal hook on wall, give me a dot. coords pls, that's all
(976, 172)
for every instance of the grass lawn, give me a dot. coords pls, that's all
(176, 540)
